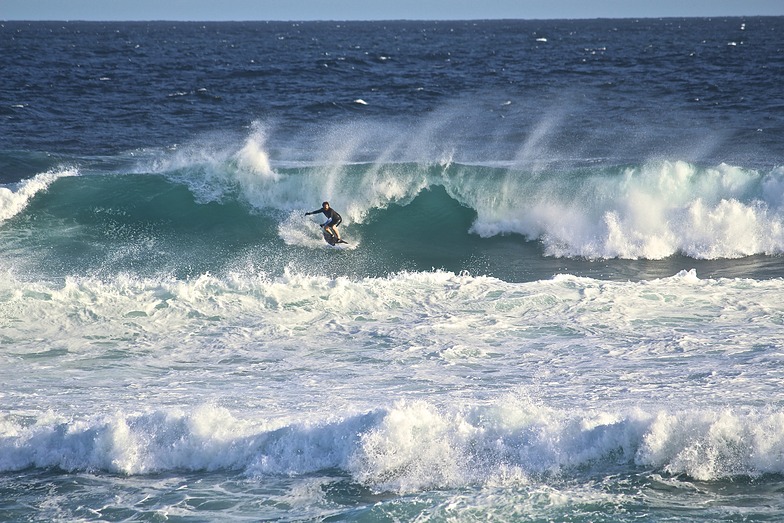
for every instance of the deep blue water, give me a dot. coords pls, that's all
(689, 89)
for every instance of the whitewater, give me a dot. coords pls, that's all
(408, 386)
(562, 298)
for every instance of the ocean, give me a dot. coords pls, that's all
(562, 296)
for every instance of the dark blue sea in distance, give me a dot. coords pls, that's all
(561, 299)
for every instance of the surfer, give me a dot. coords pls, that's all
(333, 220)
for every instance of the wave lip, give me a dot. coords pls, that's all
(14, 201)
(651, 211)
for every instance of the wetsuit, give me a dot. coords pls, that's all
(333, 218)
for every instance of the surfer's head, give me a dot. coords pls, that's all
(325, 205)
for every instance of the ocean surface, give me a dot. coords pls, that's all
(562, 297)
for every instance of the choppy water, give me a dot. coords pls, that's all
(561, 298)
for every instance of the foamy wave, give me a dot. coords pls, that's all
(220, 169)
(205, 439)
(715, 444)
(409, 446)
(161, 308)
(14, 201)
(649, 212)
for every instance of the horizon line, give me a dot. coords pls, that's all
(343, 20)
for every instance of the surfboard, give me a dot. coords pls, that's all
(331, 239)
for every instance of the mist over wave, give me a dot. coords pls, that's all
(651, 210)
(213, 204)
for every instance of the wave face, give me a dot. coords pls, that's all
(650, 211)
(191, 211)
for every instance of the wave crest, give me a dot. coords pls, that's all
(649, 211)
(15, 200)
(409, 446)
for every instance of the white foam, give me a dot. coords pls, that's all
(296, 229)
(14, 200)
(650, 212)
(408, 446)
(253, 158)
(715, 444)
(409, 382)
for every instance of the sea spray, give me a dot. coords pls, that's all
(649, 211)
(408, 446)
